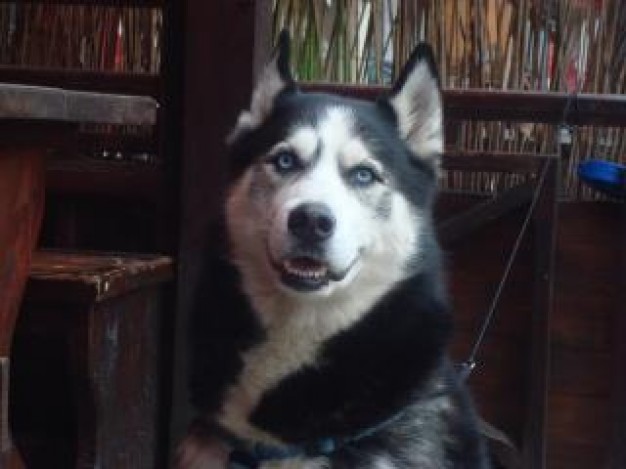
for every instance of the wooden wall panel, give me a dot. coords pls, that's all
(475, 265)
(587, 301)
(581, 409)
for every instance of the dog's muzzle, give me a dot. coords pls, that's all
(305, 267)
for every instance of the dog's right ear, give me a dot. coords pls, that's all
(275, 79)
(416, 101)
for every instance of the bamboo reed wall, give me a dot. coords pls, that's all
(100, 38)
(552, 45)
(52, 38)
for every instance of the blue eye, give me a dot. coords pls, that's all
(284, 162)
(362, 176)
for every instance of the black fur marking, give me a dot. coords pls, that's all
(222, 325)
(282, 60)
(422, 53)
(365, 374)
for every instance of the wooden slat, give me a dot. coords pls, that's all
(118, 3)
(21, 210)
(93, 277)
(580, 420)
(5, 437)
(76, 177)
(84, 80)
(461, 225)
(522, 163)
(545, 221)
(521, 106)
(618, 449)
(60, 105)
(580, 372)
(584, 109)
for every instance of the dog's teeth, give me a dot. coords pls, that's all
(314, 272)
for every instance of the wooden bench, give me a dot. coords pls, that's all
(86, 361)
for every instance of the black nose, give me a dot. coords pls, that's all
(312, 222)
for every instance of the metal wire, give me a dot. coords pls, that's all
(470, 363)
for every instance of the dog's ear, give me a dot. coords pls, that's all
(275, 79)
(416, 101)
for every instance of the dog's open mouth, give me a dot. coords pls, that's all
(304, 273)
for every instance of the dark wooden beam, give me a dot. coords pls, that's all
(42, 103)
(111, 179)
(520, 106)
(617, 450)
(531, 106)
(23, 133)
(84, 80)
(216, 88)
(112, 3)
(523, 163)
(465, 223)
(545, 223)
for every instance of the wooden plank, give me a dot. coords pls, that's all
(451, 229)
(117, 3)
(23, 102)
(5, 436)
(529, 106)
(141, 84)
(93, 277)
(521, 106)
(580, 419)
(117, 179)
(211, 103)
(21, 210)
(580, 372)
(16, 133)
(98, 361)
(545, 221)
(499, 381)
(587, 291)
(522, 163)
(575, 455)
(617, 455)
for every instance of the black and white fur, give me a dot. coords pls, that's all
(323, 311)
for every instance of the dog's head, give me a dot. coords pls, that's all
(329, 192)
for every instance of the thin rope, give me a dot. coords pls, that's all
(470, 363)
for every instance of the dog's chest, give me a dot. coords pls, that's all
(295, 339)
(288, 347)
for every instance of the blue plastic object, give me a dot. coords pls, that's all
(606, 176)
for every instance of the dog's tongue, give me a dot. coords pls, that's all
(305, 267)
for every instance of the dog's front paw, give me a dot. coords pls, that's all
(199, 450)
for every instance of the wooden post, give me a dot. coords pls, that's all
(617, 450)
(545, 221)
(21, 210)
(218, 70)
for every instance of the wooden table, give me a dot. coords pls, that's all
(32, 120)
(90, 333)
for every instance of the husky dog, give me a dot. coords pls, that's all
(319, 336)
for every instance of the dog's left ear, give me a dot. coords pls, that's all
(275, 79)
(416, 101)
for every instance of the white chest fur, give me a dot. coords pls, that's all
(295, 334)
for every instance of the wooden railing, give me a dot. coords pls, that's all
(520, 106)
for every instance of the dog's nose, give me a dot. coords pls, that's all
(312, 222)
